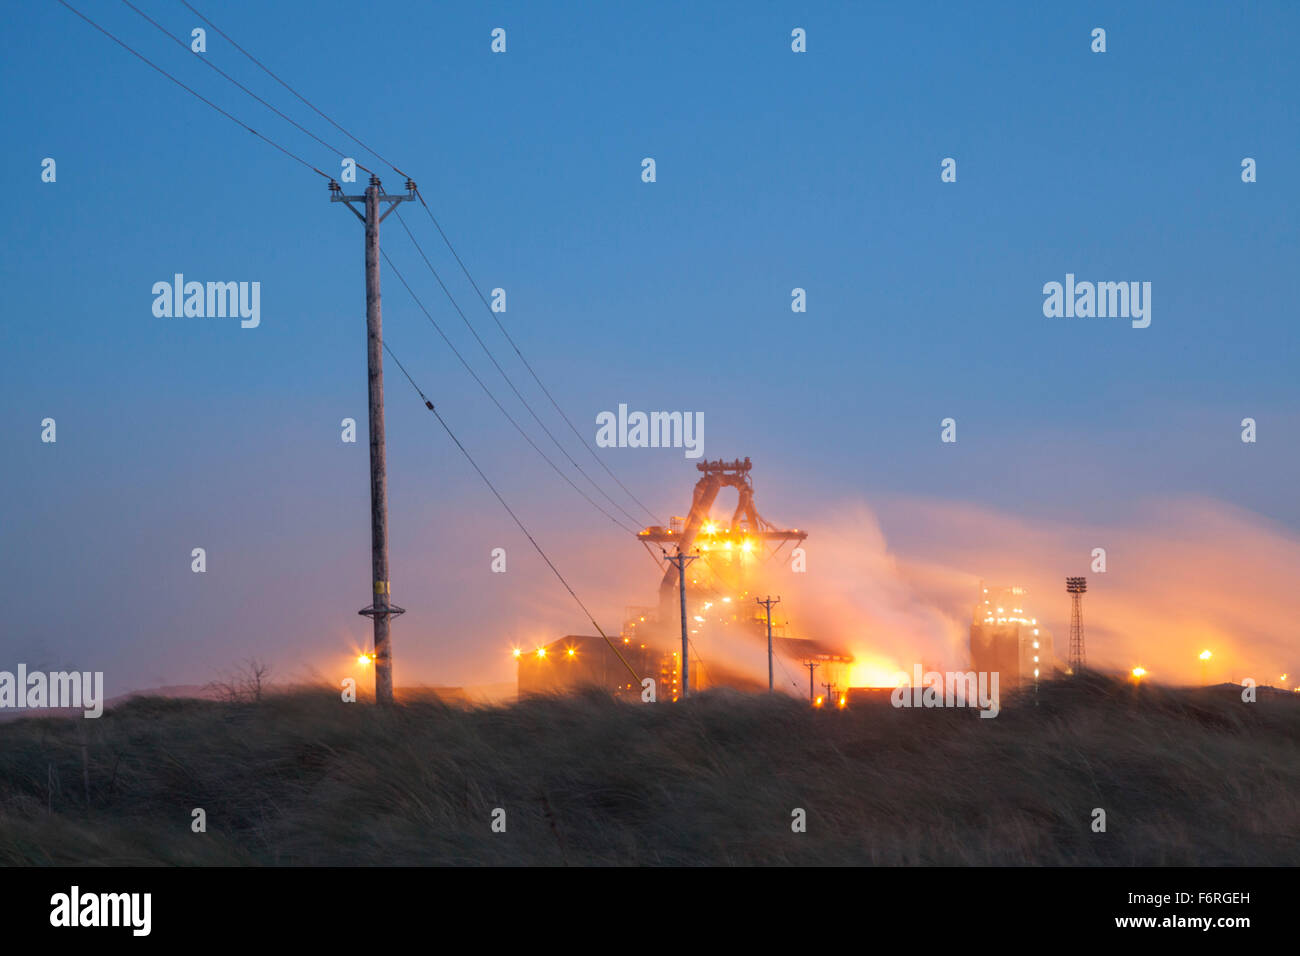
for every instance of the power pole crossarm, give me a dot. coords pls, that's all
(382, 610)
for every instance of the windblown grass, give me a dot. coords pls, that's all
(1186, 777)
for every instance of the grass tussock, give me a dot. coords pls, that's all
(1186, 777)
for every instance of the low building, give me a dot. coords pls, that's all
(577, 661)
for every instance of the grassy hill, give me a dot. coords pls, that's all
(1186, 777)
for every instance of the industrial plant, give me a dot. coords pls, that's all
(706, 601)
(708, 606)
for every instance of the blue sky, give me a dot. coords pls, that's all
(775, 170)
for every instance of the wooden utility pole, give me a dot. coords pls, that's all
(812, 666)
(768, 605)
(680, 560)
(382, 610)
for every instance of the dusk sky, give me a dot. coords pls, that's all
(775, 170)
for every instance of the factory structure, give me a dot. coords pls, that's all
(1006, 637)
(577, 661)
(724, 621)
(727, 628)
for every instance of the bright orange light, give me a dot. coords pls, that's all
(1206, 655)
(516, 652)
(869, 670)
(818, 702)
(709, 527)
(843, 701)
(364, 660)
(1139, 672)
(747, 546)
(541, 652)
(571, 652)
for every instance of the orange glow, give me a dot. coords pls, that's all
(571, 652)
(516, 652)
(1206, 655)
(364, 660)
(868, 670)
(818, 702)
(541, 652)
(1139, 672)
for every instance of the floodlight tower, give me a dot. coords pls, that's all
(1076, 588)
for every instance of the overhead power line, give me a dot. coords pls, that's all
(225, 36)
(487, 391)
(492, 358)
(428, 263)
(531, 371)
(212, 66)
(418, 247)
(527, 534)
(403, 369)
(192, 92)
(526, 363)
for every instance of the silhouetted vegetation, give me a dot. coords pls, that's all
(1185, 776)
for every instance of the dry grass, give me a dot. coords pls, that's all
(1186, 777)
